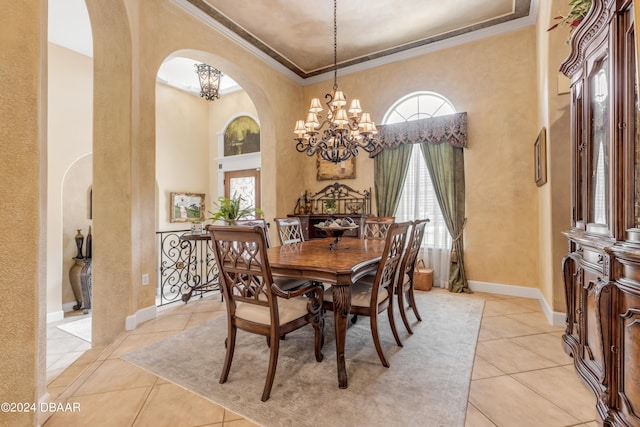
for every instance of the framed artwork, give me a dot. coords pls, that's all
(326, 170)
(540, 158)
(242, 136)
(186, 207)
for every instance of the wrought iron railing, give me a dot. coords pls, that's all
(186, 266)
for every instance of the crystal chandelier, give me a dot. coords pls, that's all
(209, 81)
(339, 136)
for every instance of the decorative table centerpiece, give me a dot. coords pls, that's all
(336, 228)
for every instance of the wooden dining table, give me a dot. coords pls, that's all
(350, 259)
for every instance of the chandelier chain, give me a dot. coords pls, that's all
(335, 45)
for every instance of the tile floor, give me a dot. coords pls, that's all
(521, 376)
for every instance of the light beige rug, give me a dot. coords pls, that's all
(426, 385)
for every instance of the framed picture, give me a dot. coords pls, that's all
(186, 207)
(540, 158)
(242, 136)
(331, 171)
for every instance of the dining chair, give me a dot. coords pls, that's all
(289, 230)
(255, 303)
(376, 227)
(404, 285)
(253, 222)
(370, 299)
(286, 283)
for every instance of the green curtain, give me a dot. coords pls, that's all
(390, 170)
(446, 168)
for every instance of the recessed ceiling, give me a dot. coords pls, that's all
(299, 34)
(296, 36)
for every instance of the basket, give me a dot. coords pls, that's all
(422, 276)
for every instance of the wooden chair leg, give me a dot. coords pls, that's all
(273, 362)
(376, 341)
(412, 301)
(392, 321)
(403, 314)
(318, 326)
(230, 343)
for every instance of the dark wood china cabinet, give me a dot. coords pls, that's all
(602, 267)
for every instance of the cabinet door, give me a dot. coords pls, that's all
(590, 325)
(628, 354)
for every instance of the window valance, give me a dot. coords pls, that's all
(451, 128)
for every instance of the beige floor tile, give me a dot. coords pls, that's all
(113, 409)
(497, 327)
(510, 357)
(65, 360)
(135, 341)
(173, 322)
(593, 424)
(476, 418)
(503, 307)
(240, 423)
(67, 376)
(537, 320)
(564, 388)
(484, 369)
(531, 304)
(113, 375)
(507, 402)
(89, 356)
(231, 416)
(171, 405)
(548, 346)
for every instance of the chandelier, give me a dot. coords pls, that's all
(342, 132)
(209, 81)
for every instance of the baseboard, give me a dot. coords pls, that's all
(69, 306)
(43, 416)
(55, 316)
(553, 317)
(140, 316)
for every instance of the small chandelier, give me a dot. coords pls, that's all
(209, 81)
(339, 136)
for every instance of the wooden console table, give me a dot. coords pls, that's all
(348, 203)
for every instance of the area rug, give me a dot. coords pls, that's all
(80, 328)
(426, 385)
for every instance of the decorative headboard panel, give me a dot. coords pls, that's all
(348, 200)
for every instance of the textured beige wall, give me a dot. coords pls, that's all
(69, 134)
(493, 81)
(23, 55)
(554, 197)
(182, 149)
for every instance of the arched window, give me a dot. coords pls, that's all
(418, 199)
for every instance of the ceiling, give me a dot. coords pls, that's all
(296, 36)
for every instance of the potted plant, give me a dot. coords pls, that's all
(233, 209)
(577, 11)
(330, 206)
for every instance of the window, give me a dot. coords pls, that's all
(418, 199)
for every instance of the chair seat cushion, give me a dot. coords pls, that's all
(288, 310)
(360, 294)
